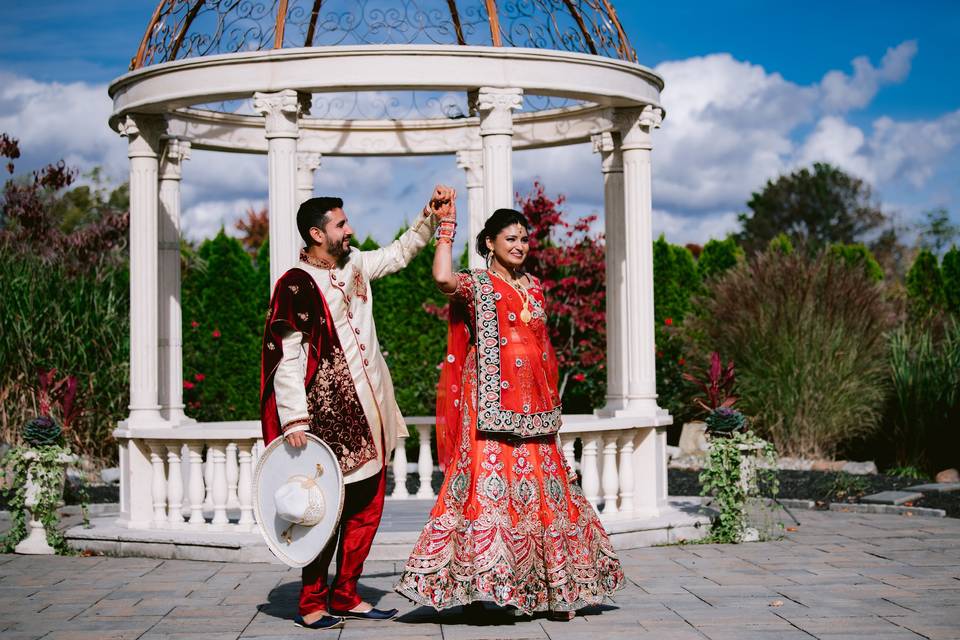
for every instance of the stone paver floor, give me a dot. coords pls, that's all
(838, 576)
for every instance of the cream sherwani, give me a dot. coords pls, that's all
(347, 292)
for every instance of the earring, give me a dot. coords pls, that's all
(489, 260)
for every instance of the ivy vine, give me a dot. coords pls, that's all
(739, 467)
(45, 466)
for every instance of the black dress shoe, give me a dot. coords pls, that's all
(373, 614)
(325, 622)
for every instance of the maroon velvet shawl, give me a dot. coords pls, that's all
(336, 415)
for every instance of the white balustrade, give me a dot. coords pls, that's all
(622, 470)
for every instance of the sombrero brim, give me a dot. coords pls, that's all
(278, 462)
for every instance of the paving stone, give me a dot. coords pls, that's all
(936, 487)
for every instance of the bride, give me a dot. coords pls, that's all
(509, 526)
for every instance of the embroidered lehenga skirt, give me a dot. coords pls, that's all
(510, 526)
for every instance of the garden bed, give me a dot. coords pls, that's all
(824, 487)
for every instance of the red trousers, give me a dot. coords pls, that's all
(362, 509)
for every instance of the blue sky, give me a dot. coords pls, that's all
(892, 117)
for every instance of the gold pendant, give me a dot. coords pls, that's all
(525, 316)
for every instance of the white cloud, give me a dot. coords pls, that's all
(56, 121)
(841, 92)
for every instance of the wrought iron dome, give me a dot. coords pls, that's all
(182, 29)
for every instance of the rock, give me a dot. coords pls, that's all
(860, 468)
(946, 476)
(693, 439)
(672, 452)
(892, 497)
(110, 475)
(794, 464)
(827, 465)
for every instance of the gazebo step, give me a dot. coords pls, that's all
(400, 527)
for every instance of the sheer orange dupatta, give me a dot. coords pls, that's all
(450, 388)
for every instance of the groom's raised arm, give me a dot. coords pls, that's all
(398, 254)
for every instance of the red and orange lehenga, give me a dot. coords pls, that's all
(509, 525)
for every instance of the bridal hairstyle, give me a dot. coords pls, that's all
(313, 213)
(500, 220)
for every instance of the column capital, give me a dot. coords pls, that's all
(471, 161)
(635, 125)
(282, 110)
(607, 144)
(142, 132)
(496, 108)
(307, 163)
(309, 160)
(175, 151)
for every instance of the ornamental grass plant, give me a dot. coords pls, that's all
(808, 335)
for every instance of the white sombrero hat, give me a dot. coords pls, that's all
(297, 498)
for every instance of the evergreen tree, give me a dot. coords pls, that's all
(925, 285)
(950, 270)
(223, 318)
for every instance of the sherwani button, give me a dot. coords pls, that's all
(366, 362)
(356, 331)
(363, 347)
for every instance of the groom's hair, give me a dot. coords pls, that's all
(315, 212)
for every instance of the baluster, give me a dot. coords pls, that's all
(400, 470)
(174, 485)
(195, 491)
(245, 483)
(159, 483)
(219, 492)
(611, 480)
(425, 461)
(233, 502)
(568, 443)
(588, 467)
(208, 479)
(626, 471)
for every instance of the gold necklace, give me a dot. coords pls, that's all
(525, 315)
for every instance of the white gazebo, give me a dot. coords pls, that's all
(471, 79)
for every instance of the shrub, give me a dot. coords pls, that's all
(75, 322)
(857, 255)
(807, 336)
(925, 376)
(717, 257)
(675, 279)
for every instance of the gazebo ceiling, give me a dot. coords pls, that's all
(182, 29)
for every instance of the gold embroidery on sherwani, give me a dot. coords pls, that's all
(328, 406)
(359, 284)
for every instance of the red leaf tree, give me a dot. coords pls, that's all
(568, 257)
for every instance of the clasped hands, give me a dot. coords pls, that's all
(443, 205)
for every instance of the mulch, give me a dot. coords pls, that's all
(822, 487)
(825, 487)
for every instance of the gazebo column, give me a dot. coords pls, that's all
(471, 161)
(175, 151)
(496, 134)
(281, 111)
(143, 136)
(607, 144)
(307, 164)
(635, 127)
(649, 455)
(136, 465)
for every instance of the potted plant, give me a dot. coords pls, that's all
(35, 471)
(740, 465)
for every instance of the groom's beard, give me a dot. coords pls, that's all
(338, 250)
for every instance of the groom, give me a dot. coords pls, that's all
(322, 371)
